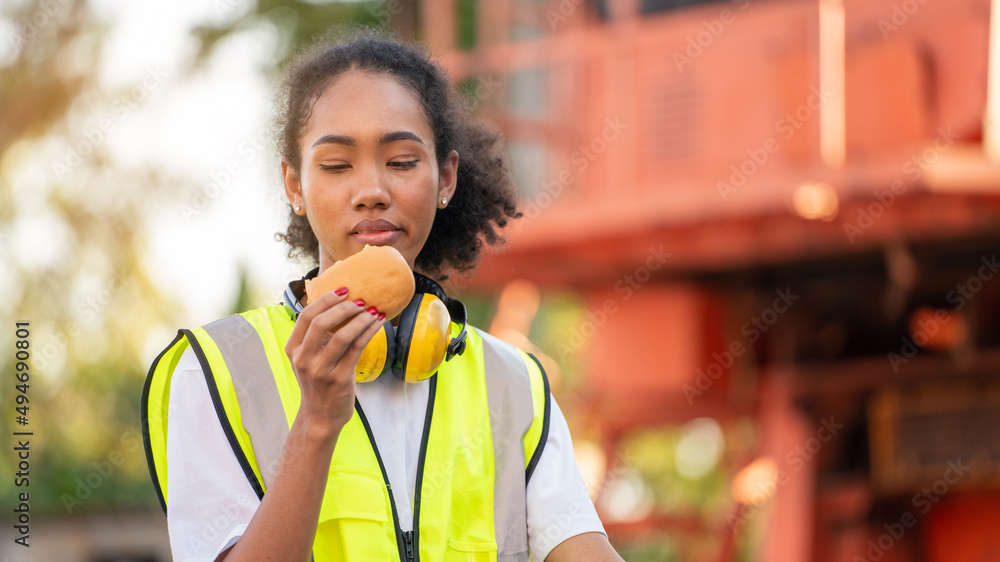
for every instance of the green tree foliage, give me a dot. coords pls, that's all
(72, 233)
(297, 22)
(74, 238)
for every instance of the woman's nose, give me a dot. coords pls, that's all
(370, 190)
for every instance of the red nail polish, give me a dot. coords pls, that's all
(381, 316)
(341, 291)
(359, 302)
(372, 310)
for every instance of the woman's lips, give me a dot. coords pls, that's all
(376, 232)
(376, 237)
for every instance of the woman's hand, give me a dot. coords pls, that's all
(324, 348)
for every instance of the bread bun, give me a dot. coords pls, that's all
(377, 275)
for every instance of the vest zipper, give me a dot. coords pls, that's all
(406, 541)
(408, 545)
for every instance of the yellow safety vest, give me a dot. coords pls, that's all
(484, 431)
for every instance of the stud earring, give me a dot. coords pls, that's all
(297, 208)
(444, 200)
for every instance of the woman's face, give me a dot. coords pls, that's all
(369, 171)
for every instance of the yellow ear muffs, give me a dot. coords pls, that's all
(376, 356)
(422, 339)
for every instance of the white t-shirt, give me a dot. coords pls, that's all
(211, 502)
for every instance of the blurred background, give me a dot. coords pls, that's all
(758, 256)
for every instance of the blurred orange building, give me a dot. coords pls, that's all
(782, 209)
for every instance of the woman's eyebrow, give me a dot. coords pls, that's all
(334, 139)
(398, 135)
(384, 139)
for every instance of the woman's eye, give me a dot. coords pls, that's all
(333, 167)
(409, 164)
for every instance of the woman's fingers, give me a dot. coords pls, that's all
(353, 352)
(347, 343)
(333, 317)
(305, 317)
(344, 332)
(324, 349)
(329, 329)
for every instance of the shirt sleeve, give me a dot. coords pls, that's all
(209, 500)
(558, 504)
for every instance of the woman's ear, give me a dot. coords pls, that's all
(448, 180)
(293, 186)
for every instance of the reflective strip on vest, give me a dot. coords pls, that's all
(257, 394)
(511, 414)
(260, 404)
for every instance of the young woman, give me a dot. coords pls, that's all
(472, 463)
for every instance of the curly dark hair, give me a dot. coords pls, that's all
(484, 197)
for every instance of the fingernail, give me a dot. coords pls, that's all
(381, 316)
(341, 291)
(372, 310)
(359, 302)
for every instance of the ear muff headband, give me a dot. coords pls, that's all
(380, 354)
(404, 332)
(456, 309)
(419, 343)
(423, 341)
